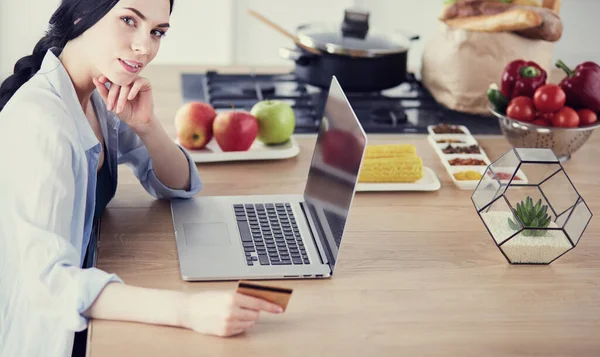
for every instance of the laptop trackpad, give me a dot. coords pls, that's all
(203, 234)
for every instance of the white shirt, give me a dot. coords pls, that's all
(48, 160)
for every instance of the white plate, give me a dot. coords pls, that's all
(258, 151)
(429, 182)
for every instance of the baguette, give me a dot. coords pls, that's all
(470, 8)
(530, 21)
(539, 3)
(551, 28)
(511, 20)
(553, 5)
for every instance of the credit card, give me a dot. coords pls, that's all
(275, 294)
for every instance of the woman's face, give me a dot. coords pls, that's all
(127, 38)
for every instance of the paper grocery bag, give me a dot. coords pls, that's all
(458, 65)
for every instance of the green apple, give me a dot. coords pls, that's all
(276, 121)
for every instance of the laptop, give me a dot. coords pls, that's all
(292, 236)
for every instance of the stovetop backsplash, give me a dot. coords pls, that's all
(407, 108)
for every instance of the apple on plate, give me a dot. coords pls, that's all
(235, 130)
(194, 124)
(276, 121)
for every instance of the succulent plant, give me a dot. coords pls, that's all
(532, 216)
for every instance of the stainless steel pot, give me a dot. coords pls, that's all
(362, 59)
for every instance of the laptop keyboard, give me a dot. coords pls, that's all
(270, 235)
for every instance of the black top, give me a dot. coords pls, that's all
(104, 189)
(104, 192)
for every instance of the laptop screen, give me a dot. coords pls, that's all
(334, 169)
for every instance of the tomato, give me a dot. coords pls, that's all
(542, 122)
(549, 98)
(587, 117)
(547, 116)
(566, 118)
(521, 108)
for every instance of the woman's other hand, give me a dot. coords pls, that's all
(223, 313)
(133, 104)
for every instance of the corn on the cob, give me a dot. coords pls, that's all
(408, 168)
(389, 150)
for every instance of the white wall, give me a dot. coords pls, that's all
(580, 38)
(21, 28)
(220, 32)
(256, 43)
(201, 32)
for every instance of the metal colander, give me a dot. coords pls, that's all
(563, 141)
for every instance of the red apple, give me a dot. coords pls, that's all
(194, 124)
(342, 149)
(235, 130)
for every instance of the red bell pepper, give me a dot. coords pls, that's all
(582, 85)
(522, 78)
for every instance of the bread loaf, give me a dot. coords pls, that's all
(550, 29)
(534, 19)
(511, 20)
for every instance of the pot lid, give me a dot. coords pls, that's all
(353, 37)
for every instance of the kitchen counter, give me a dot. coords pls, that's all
(418, 274)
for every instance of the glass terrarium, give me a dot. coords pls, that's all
(530, 207)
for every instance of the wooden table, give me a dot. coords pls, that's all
(418, 274)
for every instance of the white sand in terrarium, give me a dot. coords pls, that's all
(525, 249)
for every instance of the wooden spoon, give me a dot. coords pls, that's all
(283, 31)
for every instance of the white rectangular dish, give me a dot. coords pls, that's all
(467, 140)
(443, 140)
(448, 158)
(464, 129)
(452, 169)
(429, 182)
(520, 177)
(465, 184)
(258, 151)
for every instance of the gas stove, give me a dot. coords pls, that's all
(408, 108)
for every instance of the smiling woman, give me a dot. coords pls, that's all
(104, 41)
(85, 108)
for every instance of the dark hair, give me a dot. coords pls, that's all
(62, 29)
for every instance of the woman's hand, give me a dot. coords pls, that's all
(223, 313)
(133, 104)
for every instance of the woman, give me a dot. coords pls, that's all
(71, 112)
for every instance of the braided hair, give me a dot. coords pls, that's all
(69, 21)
